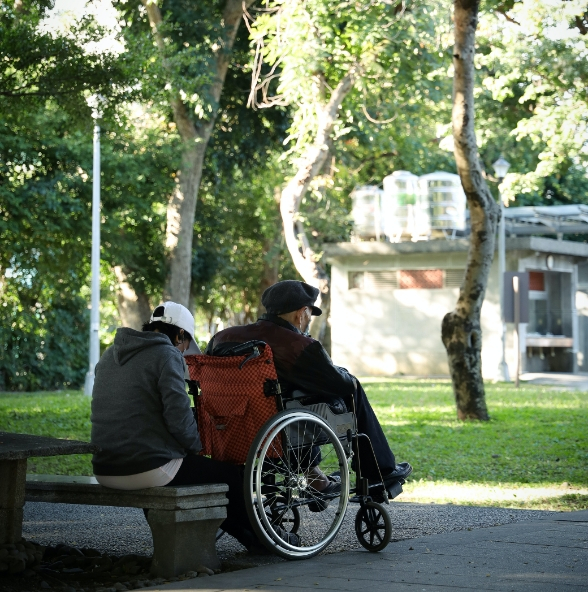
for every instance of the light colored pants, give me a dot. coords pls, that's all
(154, 478)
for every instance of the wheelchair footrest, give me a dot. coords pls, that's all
(395, 490)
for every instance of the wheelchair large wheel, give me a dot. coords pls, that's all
(278, 484)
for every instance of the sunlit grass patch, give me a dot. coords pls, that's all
(536, 438)
(59, 414)
(563, 496)
(533, 453)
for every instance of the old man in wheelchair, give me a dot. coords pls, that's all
(268, 397)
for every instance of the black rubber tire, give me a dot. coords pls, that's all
(373, 521)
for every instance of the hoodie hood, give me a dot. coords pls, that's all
(128, 342)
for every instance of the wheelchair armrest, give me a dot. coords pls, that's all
(336, 404)
(340, 423)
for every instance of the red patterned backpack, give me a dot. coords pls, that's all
(237, 395)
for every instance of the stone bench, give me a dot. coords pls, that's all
(183, 520)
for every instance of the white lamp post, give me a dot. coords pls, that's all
(95, 102)
(501, 167)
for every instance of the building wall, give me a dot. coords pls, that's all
(386, 332)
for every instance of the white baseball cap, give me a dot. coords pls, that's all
(180, 316)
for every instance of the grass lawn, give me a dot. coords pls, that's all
(532, 454)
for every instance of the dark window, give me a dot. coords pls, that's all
(356, 280)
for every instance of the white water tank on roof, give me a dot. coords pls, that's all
(366, 212)
(446, 200)
(403, 209)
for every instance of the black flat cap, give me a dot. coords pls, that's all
(290, 295)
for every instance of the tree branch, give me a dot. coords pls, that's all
(508, 18)
(581, 22)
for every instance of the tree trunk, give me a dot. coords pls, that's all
(461, 331)
(304, 258)
(272, 250)
(133, 307)
(181, 211)
(271, 267)
(195, 135)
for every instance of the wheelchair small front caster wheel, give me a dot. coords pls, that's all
(373, 526)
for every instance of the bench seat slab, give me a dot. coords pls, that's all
(157, 498)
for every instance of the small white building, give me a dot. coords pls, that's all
(388, 301)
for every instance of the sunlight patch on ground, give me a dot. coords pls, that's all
(424, 492)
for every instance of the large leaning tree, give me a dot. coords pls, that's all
(461, 329)
(325, 59)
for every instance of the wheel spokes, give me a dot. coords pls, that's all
(290, 477)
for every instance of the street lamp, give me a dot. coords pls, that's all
(501, 167)
(96, 103)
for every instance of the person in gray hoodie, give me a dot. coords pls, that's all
(142, 420)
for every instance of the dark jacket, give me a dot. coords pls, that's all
(141, 416)
(301, 362)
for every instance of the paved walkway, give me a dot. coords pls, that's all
(121, 531)
(541, 556)
(565, 380)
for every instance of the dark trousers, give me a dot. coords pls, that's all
(368, 424)
(201, 470)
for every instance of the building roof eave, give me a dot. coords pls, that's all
(336, 251)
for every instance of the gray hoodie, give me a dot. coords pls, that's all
(141, 416)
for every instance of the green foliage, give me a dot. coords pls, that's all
(191, 32)
(392, 50)
(45, 198)
(44, 227)
(36, 65)
(534, 101)
(237, 213)
(139, 163)
(44, 345)
(238, 225)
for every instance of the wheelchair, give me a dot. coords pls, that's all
(280, 440)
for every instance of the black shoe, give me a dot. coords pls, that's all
(318, 504)
(289, 537)
(401, 471)
(255, 547)
(395, 480)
